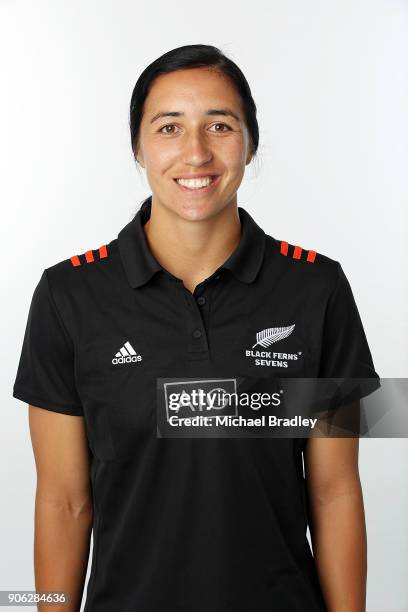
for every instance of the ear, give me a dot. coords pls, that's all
(250, 152)
(139, 157)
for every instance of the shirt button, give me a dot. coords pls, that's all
(196, 333)
(201, 300)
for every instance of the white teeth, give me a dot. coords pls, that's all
(195, 183)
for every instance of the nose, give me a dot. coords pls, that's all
(196, 150)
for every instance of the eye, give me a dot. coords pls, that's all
(224, 125)
(166, 126)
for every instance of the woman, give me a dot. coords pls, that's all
(192, 288)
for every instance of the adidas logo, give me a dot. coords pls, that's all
(126, 354)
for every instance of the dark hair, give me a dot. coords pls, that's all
(192, 56)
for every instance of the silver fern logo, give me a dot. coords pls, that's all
(274, 359)
(268, 336)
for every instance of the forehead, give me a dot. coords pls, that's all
(195, 88)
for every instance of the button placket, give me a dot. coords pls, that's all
(195, 324)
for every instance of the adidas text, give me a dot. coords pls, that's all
(129, 359)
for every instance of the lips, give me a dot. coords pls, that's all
(195, 176)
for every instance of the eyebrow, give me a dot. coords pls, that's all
(225, 112)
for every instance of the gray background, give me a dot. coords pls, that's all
(329, 80)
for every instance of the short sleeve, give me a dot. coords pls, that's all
(345, 351)
(346, 360)
(45, 375)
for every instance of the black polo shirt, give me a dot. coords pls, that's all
(190, 524)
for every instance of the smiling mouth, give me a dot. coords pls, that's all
(197, 184)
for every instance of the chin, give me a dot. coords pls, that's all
(197, 211)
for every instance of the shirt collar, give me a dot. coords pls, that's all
(140, 265)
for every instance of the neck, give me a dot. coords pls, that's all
(192, 250)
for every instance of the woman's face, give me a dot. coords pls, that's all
(198, 138)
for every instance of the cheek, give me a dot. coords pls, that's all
(156, 170)
(158, 161)
(236, 166)
(234, 153)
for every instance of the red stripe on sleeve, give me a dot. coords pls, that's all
(297, 252)
(75, 260)
(284, 248)
(311, 256)
(103, 251)
(89, 257)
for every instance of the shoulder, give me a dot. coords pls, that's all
(302, 261)
(89, 267)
